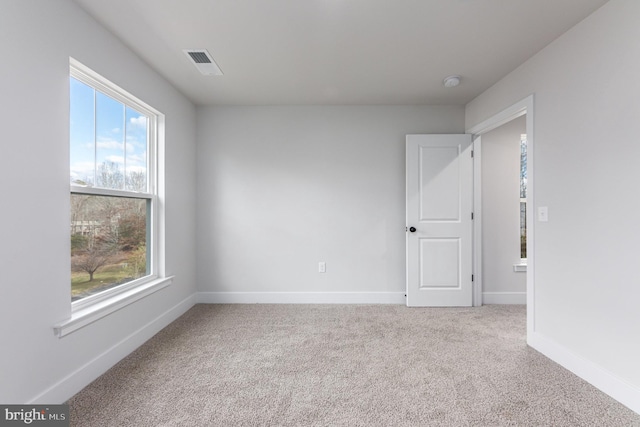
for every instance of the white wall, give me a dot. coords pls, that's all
(587, 110)
(36, 40)
(501, 215)
(282, 188)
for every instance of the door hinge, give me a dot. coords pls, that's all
(471, 215)
(471, 153)
(472, 277)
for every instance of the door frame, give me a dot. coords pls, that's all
(520, 108)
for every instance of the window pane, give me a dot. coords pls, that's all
(136, 150)
(523, 166)
(109, 142)
(523, 196)
(108, 242)
(523, 229)
(82, 133)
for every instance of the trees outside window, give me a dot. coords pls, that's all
(108, 242)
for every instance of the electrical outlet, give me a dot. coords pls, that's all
(322, 267)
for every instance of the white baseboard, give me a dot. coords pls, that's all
(301, 298)
(620, 390)
(504, 298)
(64, 389)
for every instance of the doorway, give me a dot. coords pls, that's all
(523, 108)
(503, 215)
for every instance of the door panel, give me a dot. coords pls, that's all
(439, 180)
(439, 261)
(439, 206)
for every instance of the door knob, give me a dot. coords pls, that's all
(412, 229)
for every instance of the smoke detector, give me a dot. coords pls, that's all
(203, 61)
(451, 81)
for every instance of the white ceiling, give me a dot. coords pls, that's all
(338, 51)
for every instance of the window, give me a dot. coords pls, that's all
(523, 197)
(114, 231)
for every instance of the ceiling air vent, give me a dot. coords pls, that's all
(203, 62)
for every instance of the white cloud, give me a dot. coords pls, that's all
(134, 144)
(110, 144)
(140, 121)
(137, 158)
(82, 170)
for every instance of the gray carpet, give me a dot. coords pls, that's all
(343, 365)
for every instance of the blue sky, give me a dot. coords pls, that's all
(118, 134)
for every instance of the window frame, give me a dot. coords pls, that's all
(88, 309)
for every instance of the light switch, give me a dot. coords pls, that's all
(543, 213)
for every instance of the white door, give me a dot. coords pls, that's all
(439, 220)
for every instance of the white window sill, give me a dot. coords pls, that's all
(90, 314)
(520, 268)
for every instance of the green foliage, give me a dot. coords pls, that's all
(78, 243)
(138, 260)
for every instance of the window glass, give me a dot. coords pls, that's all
(82, 133)
(523, 196)
(108, 141)
(112, 194)
(136, 150)
(108, 242)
